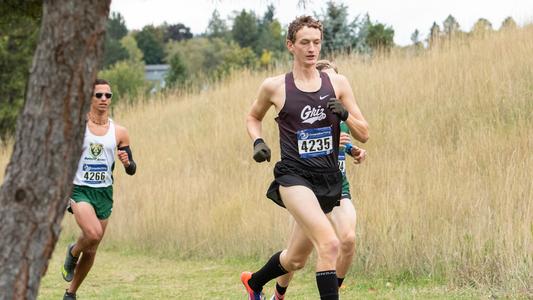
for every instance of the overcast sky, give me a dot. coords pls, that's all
(403, 15)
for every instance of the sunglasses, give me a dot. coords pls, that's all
(100, 95)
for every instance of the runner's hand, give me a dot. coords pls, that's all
(336, 107)
(261, 151)
(359, 154)
(123, 156)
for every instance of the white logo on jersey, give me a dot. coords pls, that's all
(311, 115)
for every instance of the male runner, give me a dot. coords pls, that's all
(92, 195)
(343, 217)
(310, 105)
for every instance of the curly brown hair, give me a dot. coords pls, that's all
(301, 22)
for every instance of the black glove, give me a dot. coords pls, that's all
(336, 107)
(261, 151)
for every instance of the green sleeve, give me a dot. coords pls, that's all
(344, 128)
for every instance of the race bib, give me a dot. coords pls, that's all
(94, 173)
(342, 162)
(314, 142)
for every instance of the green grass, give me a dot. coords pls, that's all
(129, 275)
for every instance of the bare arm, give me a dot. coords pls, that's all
(356, 122)
(259, 109)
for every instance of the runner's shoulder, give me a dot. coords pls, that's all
(120, 128)
(273, 84)
(338, 78)
(121, 132)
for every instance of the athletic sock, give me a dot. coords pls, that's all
(281, 290)
(327, 285)
(340, 280)
(269, 271)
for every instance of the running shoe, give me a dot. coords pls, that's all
(277, 296)
(245, 276)
(67, 271)
(69, 296)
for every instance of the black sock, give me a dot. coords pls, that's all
(281, 290)
(327, 285)
(340, 280)
(269, 271)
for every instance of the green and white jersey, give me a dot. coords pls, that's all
(342, 154)
(96, 163)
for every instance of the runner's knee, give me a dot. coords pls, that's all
(347, 242)
(328, 249)
(295, 263)
(93, 236)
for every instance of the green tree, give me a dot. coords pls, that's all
(270, 38)
(113, 52)
(482, 27)
(130, 44)
(177, 75)
(245, 30)
(115, 30)
(116, 26)
(127, 80)
(127, 76)
(360, 28)
(150, 41)
(177, 32)
(380, 37)
(434, 35)
(217, 28)
(450, 27)
(415, 37)
(207, 59)
(19, 31)
(338, 31)
(508, 23)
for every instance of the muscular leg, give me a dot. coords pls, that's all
(313, 230)
(298, 250)
(92, 232)
(343, 218)
(300, 247)
(301, 202)
(303, 205)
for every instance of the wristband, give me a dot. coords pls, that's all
(258, 141)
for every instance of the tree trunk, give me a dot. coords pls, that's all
(48, 142)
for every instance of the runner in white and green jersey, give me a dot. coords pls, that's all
(91, 200)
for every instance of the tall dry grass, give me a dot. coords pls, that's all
(447, 188)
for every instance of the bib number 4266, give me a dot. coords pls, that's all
(94, 176)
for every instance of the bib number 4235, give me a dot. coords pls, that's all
(314, 142)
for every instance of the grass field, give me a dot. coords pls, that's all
(129, 275)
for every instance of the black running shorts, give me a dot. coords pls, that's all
(325, 184)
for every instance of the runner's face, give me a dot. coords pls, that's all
(101, 104)
(306, 48)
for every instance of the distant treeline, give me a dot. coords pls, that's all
(245, 40)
